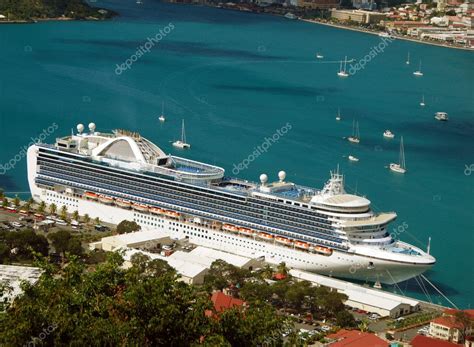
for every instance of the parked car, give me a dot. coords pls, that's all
(374, 316)
(325, 328)
(424, 330)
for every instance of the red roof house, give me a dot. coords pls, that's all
(425, 341)
(355, 338)
(223, 302)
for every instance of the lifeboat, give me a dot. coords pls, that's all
(265, 236)
(140, 207)
(246, 231)
(91, 195)
(123, 203)
(323, 250)
(156, 210)
(302, 245)
(283, 240)
(172, 214)
(230, 227)
(106, 199)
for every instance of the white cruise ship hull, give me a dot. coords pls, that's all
(339, 264)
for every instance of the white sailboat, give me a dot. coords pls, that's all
(319, 56)
(182, 143)
(353, 158)
(422, 102)
(400, 167)
(408, 59)
(355, 137)
(162, 116)
(338, 116)
(418, 72)
(342, 72)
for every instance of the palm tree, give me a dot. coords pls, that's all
(2, 194)
(267, 272)
(5, 202)
(53, 208)
(41, 207)
(363, 326)
(97, 220)
(16, 201)
(64, 212)
(87, 219)
(30, 203)
(75, 215)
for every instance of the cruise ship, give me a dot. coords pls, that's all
(120, 175)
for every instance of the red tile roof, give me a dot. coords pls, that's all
(425, 341)
(447, 321)
(356, 338)
(222, 302)
(452, 312)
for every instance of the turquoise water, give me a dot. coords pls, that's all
(236, 78)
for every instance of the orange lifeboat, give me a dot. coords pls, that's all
(230, 227)
(323, 250)
(123, 203)
(156, 210)
(283, 240)
(265, 236)
(140, 207)
(246, 231)
(302, 245)
(106, 199)
(172, 214)
(91, 195)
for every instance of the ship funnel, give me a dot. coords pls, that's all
(263, 179)
(282, 176)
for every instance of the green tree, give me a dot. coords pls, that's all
(363, 326)
(16, 201)
(465, 322)
(267, 272)
(126, 226)
(5, 203)
(97, 220)
(282, 269)
(2, 193)
(344, 319)
(60, 241)
(75, 215)
(64, 212)
(87, 219)
(41, 207)
(24, 243)
(53, 208)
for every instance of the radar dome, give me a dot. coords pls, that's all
(282, 176)
(80, 128)
(92, 127)
(263, 178)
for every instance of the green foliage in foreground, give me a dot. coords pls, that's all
(143, 305)
(31, 9)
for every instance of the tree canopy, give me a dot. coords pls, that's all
(126, 226)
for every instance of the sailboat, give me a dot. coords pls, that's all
(400, 167)
(355, 137)
(422, 102)
(182, 143)
(418, 72)
(319, 56)
(408, 59)
(162, 116)
(338, 116)
(343, 73)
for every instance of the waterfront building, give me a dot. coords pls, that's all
(358, 16)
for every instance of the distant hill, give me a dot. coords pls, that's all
(43, 9)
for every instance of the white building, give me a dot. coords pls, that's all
(140, 239)
(371, 300)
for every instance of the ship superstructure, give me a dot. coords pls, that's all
(121, 175)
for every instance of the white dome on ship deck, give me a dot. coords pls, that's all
(342, 200)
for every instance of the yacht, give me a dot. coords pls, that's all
(400, 167)
(355, 137)
(418, 72)
(441, 116)
(352, 158)
(324, 230)
(422, 102)
(319, 56)
(162, 118)
(388, 134)
(342, 72)
(408, 59)
(182, 143)
(338, 116)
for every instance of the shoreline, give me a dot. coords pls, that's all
(340, 26)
